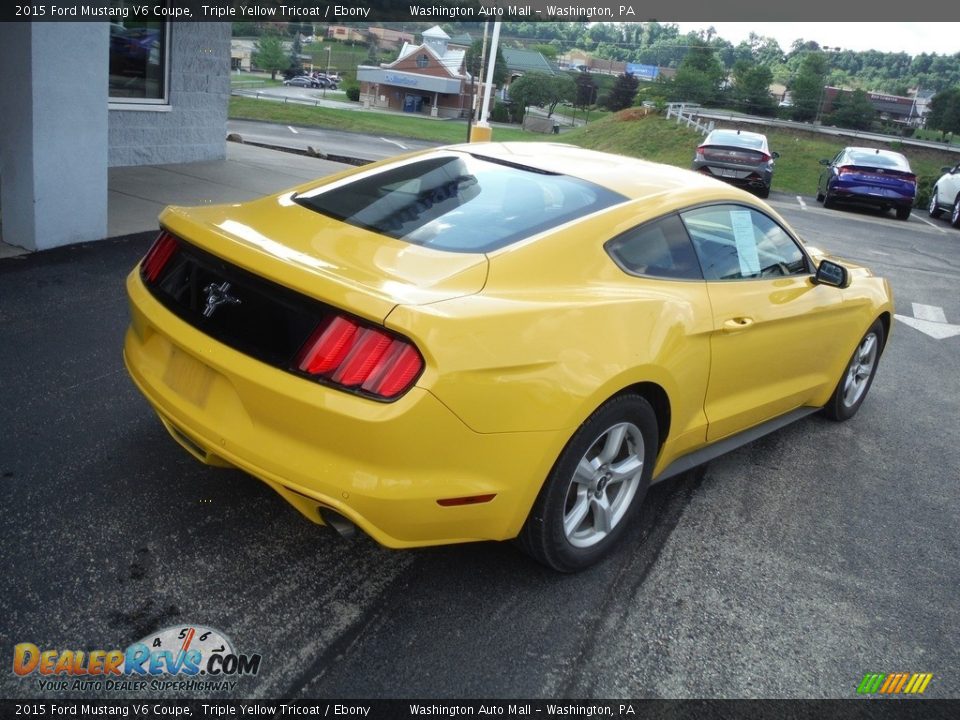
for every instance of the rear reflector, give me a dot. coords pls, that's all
(345, 352)
(470, 500)
(158, 256)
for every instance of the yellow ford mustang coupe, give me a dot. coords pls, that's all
(492, 341)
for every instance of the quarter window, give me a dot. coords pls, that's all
(657, 249)
(734, 242)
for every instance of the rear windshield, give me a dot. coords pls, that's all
(458, 202)
(873, 159)
(731, 138)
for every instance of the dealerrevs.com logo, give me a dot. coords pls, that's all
(175, 658)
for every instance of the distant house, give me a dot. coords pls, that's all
(428, 78)
(520, 62)
(895, 108)
(346, 34)
(390, 39)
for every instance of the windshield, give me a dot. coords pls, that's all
(458, 202)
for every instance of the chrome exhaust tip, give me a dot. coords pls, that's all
(338, 522)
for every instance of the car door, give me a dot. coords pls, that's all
(775, 331)
(948, 188)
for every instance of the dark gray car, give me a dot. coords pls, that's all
(738, 157)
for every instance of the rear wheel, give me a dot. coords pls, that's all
(819, 196)
(828, 201)
(955, 215)
(595, 487)
(934, 208)
(852, 389)
(903, 213)
(764, 192)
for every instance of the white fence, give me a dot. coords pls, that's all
(688, 113)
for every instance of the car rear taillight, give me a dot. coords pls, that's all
(765, 158)
(163, 248)
(700, 154)
(845, 169)
(356, 356)
(909, 177)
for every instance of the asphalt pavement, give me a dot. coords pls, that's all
(788, 568)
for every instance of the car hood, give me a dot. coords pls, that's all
(346, 266)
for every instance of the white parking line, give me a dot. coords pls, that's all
(802, 203)
(295, 132)
(933, 313)
(935, 227)
(394, 142)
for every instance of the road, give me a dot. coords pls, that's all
(334, 143)
(788, 568)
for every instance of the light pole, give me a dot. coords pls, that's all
(328, 72)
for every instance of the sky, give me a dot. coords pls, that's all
(908, 37)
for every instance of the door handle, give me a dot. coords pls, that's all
(736, 324)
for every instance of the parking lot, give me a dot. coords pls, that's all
(789, 568)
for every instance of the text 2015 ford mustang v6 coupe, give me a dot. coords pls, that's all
(493, 341)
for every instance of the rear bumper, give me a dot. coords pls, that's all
(868, 195)
(383, 466)
(738, 175)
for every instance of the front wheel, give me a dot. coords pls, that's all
(595, 487)
(852, 389)
(934, 209)
(955, 215)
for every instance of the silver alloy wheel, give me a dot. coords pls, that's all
(860, 370)
(934, 207)
(955, 215)
(603, 485)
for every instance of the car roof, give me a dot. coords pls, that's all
(631, 177)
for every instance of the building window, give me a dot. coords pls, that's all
(139, 58)
(422, 60)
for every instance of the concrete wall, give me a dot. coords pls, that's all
(53, 170)
(195, 126)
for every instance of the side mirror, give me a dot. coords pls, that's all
(824, 162)
(832, 274)
(775, 155)
(948, 169)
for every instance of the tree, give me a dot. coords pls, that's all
(623, 92)
(945, 111)
(751, 88)
(586, 90)
(472, 63)
(807, 88)
(698, 77)
(536, 88)
(852, 110)
(268, 55)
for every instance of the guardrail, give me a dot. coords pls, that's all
(696, 113)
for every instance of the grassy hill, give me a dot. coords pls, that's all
(630, 132)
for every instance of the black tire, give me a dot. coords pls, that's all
(763, 192)
(934, 209)
(828, 201)
(955, 214)
(857, 377)
(819, 196)
(597, 507)
(903, 213)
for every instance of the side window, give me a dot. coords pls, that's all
(734, 242)
(658, 249)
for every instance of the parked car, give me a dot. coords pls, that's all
(302, 81)
(868, 176)
(945, 195)
(738, 157)
(493, 341)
